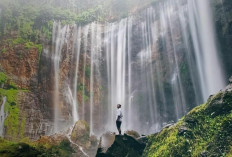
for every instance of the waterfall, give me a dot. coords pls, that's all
(158, 64)
(3, 116)
(208, 64)
(76, 48)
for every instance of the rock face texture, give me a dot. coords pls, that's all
(120, 145)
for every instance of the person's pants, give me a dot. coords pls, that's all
(118, 124)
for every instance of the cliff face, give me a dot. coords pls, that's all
(28, 112)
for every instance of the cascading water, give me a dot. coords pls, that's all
(208, 64)
(59, 38)
(157, 66)
(3, 116)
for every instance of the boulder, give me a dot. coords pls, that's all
(81, 134)
(106, 141)
(132, 133)
(123, 145)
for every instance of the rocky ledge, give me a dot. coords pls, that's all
(130, 144)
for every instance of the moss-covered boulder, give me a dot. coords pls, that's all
(81, 133)
(205, 131)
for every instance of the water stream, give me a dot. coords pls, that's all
(3, 116)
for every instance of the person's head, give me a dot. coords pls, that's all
(119, 106)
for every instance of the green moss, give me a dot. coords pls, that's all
(3, 50)
(87, 71)
(210, 133)
(29, 148)
(3, 78)
(11, 123)
(30, 45)
(22, 127)
(86, 98)
(10, 91)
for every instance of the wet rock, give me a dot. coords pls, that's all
(143, 140)
(168, 125)
(185, 131)
(123, 145)
(106, 141)
(230, 80)
(220, 104)
(132, 133)
(190, 121)
(81, 134)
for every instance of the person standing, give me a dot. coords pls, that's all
(119, 118)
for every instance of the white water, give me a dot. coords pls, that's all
(212, 79)
(3, 116)
(76, 49)
(158, 67)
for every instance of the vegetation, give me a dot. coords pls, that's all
(11, 43)
(206, 131)
(12, 122)
(9, 149)
(86, 94)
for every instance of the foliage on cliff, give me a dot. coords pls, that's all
(14, 126)
(33, 20)
(204, 131)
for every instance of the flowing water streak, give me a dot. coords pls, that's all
(60, 36)
(3, 116)
(130, 93)
(76, 48)
(205, 46)
(179, 97)
(94, 50)
(86, 31)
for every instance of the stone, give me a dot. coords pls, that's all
(230, 80)
(81, 133)
(123, 145)
(190, 121)
(185, 131)
(143, 140)
(132, 133)
(106, 141)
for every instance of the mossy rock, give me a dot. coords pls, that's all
(205, 131)
(81, 133)
(219, 104)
